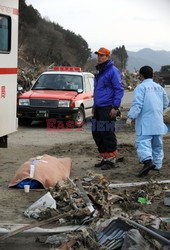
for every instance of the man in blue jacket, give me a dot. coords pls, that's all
(149, 102)
(108, 92)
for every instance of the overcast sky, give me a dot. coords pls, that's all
(137, 24)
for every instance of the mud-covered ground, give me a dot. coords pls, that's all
(36, 140)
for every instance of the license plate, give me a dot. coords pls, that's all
(42, 114)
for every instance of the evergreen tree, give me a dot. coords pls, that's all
(120, 57)
(44, 42)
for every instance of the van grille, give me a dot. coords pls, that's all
(43, 103)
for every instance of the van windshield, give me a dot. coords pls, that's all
(59, 82)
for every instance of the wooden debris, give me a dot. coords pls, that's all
(135, 184)
(38, 230)
(85, 197)
(67, 245)
(33, 225)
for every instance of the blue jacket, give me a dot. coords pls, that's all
(149, 101)
(108, 90)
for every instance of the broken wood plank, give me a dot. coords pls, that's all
(135, 184)
(39, 230)
(67, 245)
(85, 196)
(33, 225)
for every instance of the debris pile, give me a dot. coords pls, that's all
(91, 214)
(90, 196)
(103, 197)
(106, 213)
(167, 115)
(25, 79)
(146, 195)
(130, 80)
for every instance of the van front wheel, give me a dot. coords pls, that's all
(24, 122)
(79, 118)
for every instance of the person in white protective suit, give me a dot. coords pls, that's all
(149, 102)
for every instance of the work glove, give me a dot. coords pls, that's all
(129, 122)
(118, 115)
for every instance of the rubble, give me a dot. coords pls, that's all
(113, 235)
(151, 233)
(25, 79)
(106, 202)
(167, 198)
(95, 215)
(167, 115)
(134, 239)
(38, 207)
(130, 80)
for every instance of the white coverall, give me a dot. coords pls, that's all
(149, 102)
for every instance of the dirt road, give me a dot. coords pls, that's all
(36, 140)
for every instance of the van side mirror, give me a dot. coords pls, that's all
(20, 90)
(79, 91)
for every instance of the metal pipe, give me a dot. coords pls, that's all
(156, 236)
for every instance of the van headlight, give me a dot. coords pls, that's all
(24, 102)
(63, 103)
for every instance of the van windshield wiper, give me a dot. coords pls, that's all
(45, 88)
(41, 88)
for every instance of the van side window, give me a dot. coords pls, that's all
(91, 80)
(87, 84)
(5, 34)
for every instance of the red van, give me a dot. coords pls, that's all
(65, 93)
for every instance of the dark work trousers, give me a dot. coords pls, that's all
(103, 130)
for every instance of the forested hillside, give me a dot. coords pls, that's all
(43, 42)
